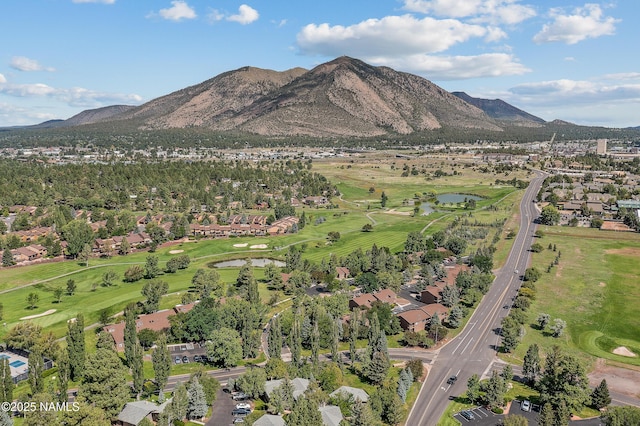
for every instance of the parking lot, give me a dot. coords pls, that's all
(481, 417)
(484, 417)
(188, 350)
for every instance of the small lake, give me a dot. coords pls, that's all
(443, 199)
(258, 263)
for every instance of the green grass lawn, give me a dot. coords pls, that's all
(594, 289)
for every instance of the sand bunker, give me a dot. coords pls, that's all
(240, 245)
(175, 251)
(621, 350)
(258, 246)
(394, 211)
(49, 312)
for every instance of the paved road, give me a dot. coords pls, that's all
(473, 350)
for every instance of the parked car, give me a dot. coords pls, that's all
(197, 358)
(467, 414)
(240, 396)
(243, 406)
(238, 420)
(185, 359)
(526, 405)
(240, 412)
(452, 380)
(178, 360)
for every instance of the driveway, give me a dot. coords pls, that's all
(222, 408)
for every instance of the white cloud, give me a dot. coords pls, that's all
(215, 15)
(95, 1)
(495, 34)
(456, 67)
(2, 79)
(246, 15)
(178, 11)
(585, 22)
(21, 63)
(389, 36)
(565, 91)
(492, 11)
(75, 96)
(622, 76)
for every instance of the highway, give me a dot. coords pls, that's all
(473, 351)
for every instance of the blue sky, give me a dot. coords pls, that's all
(565, 59)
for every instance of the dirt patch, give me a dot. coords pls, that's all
(621, 350)
(49, 312)
(559, 270)
(175, 251)
(618, 379)
(627, 251)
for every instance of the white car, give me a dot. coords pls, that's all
(243, 405)
(526, 405)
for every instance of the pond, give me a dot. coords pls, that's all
(443, 199)
(258, 263)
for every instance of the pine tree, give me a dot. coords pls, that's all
(180, 402)
(130, 334)
(197, 407)
(600, 397)
(376, 369)
(362, 415)
(76, 347)
(104, 382)
(473, 389)
(161, 360)
(531, 365)
(7, 258)
(495, 390)
(377, 362)
(404, 383)
(547, 416)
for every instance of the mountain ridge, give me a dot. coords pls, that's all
(345, 97)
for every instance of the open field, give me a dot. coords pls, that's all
(594, 289)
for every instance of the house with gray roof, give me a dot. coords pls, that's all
(300, 385)
(134, 412)
(358, 394)
(270, 420)
(331, 415)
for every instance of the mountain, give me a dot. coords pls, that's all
(343, 97)
(90, 116)
(204, 104)
(500, 110)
